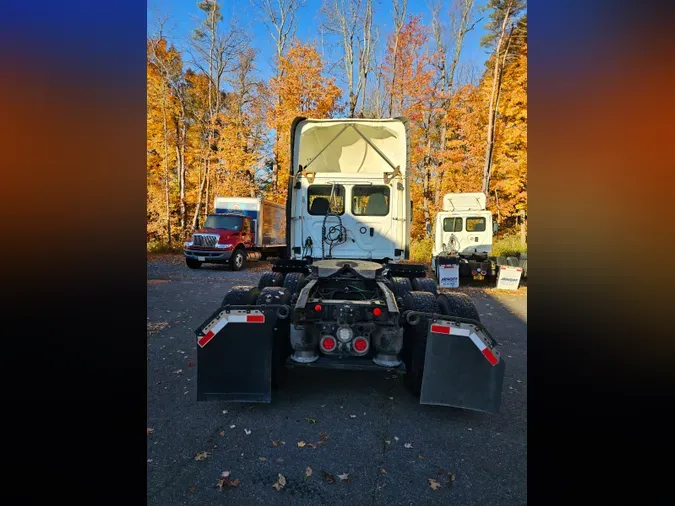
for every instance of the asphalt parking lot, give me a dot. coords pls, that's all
(377, 443)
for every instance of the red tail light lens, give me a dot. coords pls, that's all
(328, 343)
(318, 308)
(474, 272)
(360, 344)
(377, 311)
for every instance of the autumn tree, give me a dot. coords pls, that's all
(304, 91)
(352, 22)
(280, 16)
(501, 25)
(409, 71)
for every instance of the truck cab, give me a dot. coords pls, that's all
(463, 234)
(224, 238)
(348, 194)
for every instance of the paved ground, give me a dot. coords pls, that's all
(486, 453)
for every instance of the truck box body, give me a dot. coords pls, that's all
(269, 218)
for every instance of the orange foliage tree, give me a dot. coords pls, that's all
(303, 90)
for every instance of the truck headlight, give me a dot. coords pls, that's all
(344, 334)
(188, 244)
(223, 246)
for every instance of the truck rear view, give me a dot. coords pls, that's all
(341, 299)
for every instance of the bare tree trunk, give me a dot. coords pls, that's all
(166, 167)
(202, 184)
(399, 18)
(493, 98)
(426, 187)
(208, 187)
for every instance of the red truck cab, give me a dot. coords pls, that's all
(224, 238)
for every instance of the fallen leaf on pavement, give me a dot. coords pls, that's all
(191, 364)
(311, 420)
(225, 481)
(232, 426)
(312, 445)
(280, 483)
(156, 327)
(247, 431)
(150, 431)
(383, 470)
(202, 455)
(323, 435)
(387, 441)
(262, 459)
(192, 490)
(407, 445)
(321, 442)
(352, 416)
(434, 484)
(308, 472)
(301, 444)
(452, 478)
(222, 433)
(344, 477)
(328, 477)
(421, 457)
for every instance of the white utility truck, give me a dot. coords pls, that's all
(340, 298)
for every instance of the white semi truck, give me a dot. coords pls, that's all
(340, 298)
(463, 235)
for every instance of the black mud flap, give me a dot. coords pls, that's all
(234, 355)
(461, 369)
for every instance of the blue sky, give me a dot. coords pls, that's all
(184, 14)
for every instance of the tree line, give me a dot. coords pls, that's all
(215, 127)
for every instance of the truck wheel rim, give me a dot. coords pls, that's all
(239, 260)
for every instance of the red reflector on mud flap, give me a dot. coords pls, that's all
(203, 341)
(255, 318)
(490, 356)
(440, 329)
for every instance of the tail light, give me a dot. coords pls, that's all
(474, 272)
(318, 308)
(327, 344)
(377, 311)
(360, 345)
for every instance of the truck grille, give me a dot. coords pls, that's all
(206, 240)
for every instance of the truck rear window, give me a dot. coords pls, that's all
(452, 224)
(369, 200)
(322, 197)
(475, 224)
(224, 222)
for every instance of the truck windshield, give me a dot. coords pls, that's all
(224, 222)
